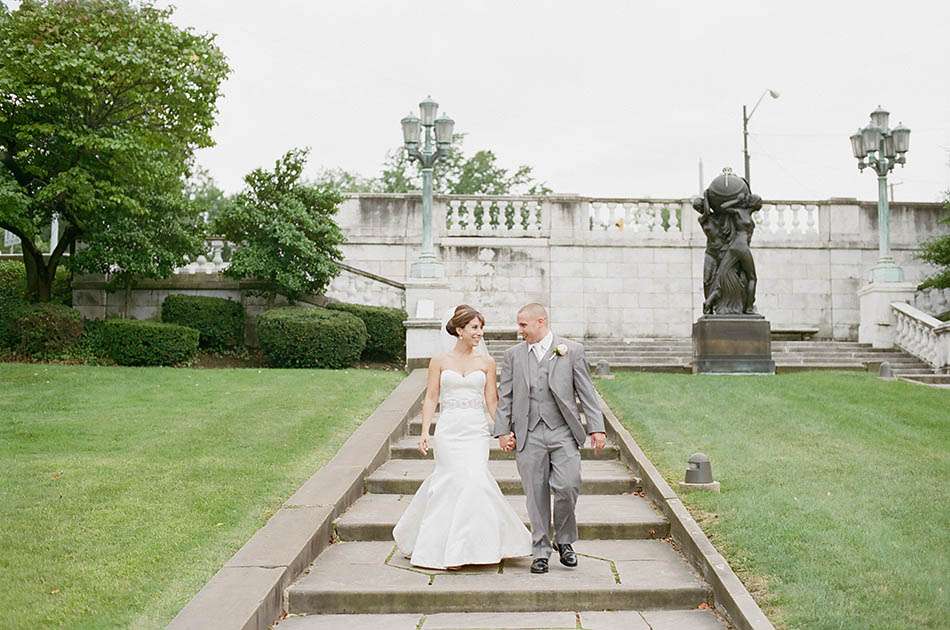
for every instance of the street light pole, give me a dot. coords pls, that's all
(745, 130)
(881, 148)
(427, 265)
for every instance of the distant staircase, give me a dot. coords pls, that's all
(675, 354)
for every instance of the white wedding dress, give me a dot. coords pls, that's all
(459, 515)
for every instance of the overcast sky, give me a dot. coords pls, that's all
(601, 98)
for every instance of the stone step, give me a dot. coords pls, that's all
(566, 620)
(902, 371)
(404, 476)
(621, 517)
(930, 379)
(805, 367)
(373, 577)
(415, 425)
(407, 448)
(647, 366)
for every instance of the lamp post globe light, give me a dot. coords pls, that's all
(879, 147)
(745, 130)
(417, 133)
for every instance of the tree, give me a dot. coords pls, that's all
(204, 195)
(284, 230)
(936, 251)
(102, 105)
(455, 174)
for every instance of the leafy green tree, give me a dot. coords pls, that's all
(456, 174)
(345, 181)
(479, 174)
(102, 105)
(204, 195)
(284, 230)
(936, 251)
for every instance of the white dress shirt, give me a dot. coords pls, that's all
(541, 348)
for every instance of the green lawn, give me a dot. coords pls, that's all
(124, 489)
(835, 504)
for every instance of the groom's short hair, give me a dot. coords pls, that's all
(534, 310)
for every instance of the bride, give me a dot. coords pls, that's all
(459, 515)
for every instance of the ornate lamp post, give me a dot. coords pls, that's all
(745, 130)
(879, 147)
(427, 265)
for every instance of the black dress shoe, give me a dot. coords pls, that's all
(540, 565)
(568, 557)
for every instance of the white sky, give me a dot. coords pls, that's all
(601, 98)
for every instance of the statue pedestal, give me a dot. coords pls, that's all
(732, 344)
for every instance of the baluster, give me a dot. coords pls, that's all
(796, 211)
(812, 213)
(450, 211)
(536, 210)
(608, 217)
(675, 211)
(509, 215)
(493, 212)
(649, 218)
(462, 215)
(525, 217)
(478, 214)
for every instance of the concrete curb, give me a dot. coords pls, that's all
(248, 592)
(731, 596)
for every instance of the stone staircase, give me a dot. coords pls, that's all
(675, 354)
(629, 575)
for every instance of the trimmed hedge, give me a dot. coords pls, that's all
(296, 336)
(142, 342)
(44, 329)
(219, 321)
(13, 302)
(387, 335)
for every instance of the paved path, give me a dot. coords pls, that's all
(627, 566)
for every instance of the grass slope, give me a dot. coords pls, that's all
(835, 487)
(124, 489)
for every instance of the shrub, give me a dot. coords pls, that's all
(44, 329)
(310, 337)
(139, 342)
(387, 335)
(219, 321)
(13, 279)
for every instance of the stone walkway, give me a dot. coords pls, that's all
(627, 564)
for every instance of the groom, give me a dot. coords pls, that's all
(538, 415)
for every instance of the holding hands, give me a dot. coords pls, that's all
(598, 441)
(507, 442)
(424, 444)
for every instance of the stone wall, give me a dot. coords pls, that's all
(633, 267)
(605, 267)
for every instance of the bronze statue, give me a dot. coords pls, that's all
(729, 278)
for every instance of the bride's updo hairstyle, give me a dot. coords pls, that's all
(460, 319)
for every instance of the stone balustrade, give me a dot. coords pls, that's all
(923, 336)
(212, 261)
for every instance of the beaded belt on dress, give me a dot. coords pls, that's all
(462, 404)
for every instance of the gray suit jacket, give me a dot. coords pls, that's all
(568, 376)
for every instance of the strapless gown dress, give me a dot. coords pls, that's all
(459, 515)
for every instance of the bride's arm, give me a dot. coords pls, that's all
(433, 381)
(491, 388)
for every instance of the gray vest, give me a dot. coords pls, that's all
(542, 405)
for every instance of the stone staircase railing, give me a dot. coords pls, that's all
(357, 286)
(923, 336)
